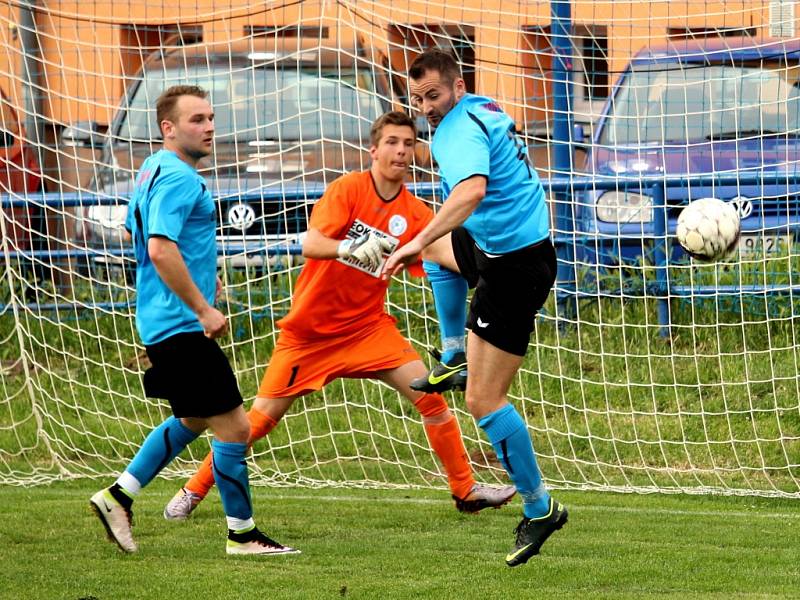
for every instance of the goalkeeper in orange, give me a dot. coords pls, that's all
(337, 326)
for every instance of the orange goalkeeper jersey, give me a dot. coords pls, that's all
(337, 296)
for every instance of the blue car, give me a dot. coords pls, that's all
(714, 117)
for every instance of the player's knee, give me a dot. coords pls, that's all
(240, 435)
(237, 430)
(194, 424)
(431, 405)
(441, 252)
(431, 268)
(480, 405)
(476, 405)
(437, 272)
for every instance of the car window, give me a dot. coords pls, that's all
(682, 103)
(263, 104)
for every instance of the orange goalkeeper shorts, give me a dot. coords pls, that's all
(298, 367)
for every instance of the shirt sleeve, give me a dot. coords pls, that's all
(129, 216)
(331, 214)
(463, 151)
(172, 199)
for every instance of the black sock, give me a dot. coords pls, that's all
(247, 536)
(120, 496)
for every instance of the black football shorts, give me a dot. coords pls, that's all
(509, 289)
(193, 374)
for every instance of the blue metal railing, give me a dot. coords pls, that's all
(568, 288)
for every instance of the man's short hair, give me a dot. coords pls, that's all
(394, 117)
(435, 59)
(165, 105)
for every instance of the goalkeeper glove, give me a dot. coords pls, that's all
(367, 249)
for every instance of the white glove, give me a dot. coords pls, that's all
(367, 249)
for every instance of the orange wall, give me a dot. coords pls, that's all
(84, 64)
(9, 56)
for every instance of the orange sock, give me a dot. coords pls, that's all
(444, 436)
(203, 480)
(260, 425)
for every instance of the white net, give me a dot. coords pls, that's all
(647, 372)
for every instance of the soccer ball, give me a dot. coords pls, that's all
(709, 229)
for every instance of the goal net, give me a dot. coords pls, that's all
(647, 372)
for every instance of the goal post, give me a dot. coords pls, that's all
(647, 372)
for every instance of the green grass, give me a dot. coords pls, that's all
(609, 401)
(401, 544)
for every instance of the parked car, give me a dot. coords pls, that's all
(691, 109)
(19, 173)
(289, 119)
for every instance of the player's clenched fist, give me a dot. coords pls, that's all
(367, 249)
(214, 323)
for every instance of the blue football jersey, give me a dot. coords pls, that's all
(170, 200)
(477, 138)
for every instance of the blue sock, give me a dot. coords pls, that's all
(512, 443)
(450, 298)
(163, 444)
(230, 474)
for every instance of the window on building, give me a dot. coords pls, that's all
(288, 31)
(590, 67)
(137, 41)
(589, 62)
(689, 33)
(408, 41)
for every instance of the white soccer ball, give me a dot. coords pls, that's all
(709, 229)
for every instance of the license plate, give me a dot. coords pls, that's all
(760, 245)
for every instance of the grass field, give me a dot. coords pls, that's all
(401, 544)
(609, 403)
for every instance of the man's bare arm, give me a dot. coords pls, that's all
(172, 269)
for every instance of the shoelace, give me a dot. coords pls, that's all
(519, 529)
(265, 540)
(435, 353)
(186, 501)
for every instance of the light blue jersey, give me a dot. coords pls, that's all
(477, 138)
(170, 200)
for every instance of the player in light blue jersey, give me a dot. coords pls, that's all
(478, 139)
(171, 202)
(492, 229)
(171, 218)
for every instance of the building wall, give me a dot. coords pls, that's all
(89, 50)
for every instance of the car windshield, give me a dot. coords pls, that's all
(263, 104)
(673, 103)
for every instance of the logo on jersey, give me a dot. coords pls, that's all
(359, 228)
(398, 225)
(241, 216)
(492, 106)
